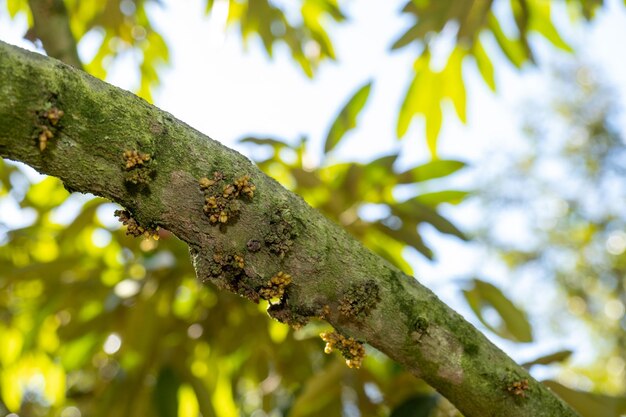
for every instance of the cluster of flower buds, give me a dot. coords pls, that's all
(352, 350)
(275, 288)
(135, 159)
(220, 201)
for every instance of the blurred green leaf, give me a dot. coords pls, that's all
(521, 15)
(589, 7)
(16, 6)
(434, 120)
(76, 353)
(428, 87)
(559, 356)
(512, 48)
(472, 20)
(589, 404)
(483, 62)
(85, 217)
(417, 406)
(273, 25)
(387, 247)
(306, 179)
(416, 211)
(376, 178)
(352, 184)
(320, 391)
(188, 402)
(426, 92)
(407, 234)
(541, 22)
(275, 143)
(5, 177)
(514, 326)
(46, 194)
(430, 18)
(165, 394)
(11, 347)
(434, 169)
(386, 161)
(417, 97)
(122, 32)
(209, 6)
(452, 83)
(202, 394)
(313, 15)
(413, 33)
(346, 120)
(439, 197)
(37, 269)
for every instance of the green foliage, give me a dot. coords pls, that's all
(68, 290)
(417, 406)
(438, 197)
(588, 404)
(514, 324)
(574, 212)
(474, 21)
(165, 394)
(424, 96)
(430, 170)
(559, 356)
(346, 191)
(14, 7)
(346, 120)
(71, 283)
(67, 287)
(307, 40)
(321, 394)
(483, 62)
(124, 27)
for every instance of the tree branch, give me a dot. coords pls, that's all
(106, 141)
(52, 27)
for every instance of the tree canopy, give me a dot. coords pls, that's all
(97, 322)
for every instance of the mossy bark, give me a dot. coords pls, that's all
(273, 231)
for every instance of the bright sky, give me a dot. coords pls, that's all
(218, 89)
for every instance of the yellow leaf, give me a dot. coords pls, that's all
(16, 6)
(187, 402)
(512, 48)
(11, 346)
(542, 23)
(222, 399)
(417, 96)
(452, 82)
(48, 339)
(484, 64)
(433, 126)
(278, 331)
(36, 373)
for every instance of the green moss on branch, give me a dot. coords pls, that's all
(101, 122)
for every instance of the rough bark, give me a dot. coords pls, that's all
(333, 276)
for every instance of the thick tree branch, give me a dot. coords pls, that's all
(52, 27)
(91, 131)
